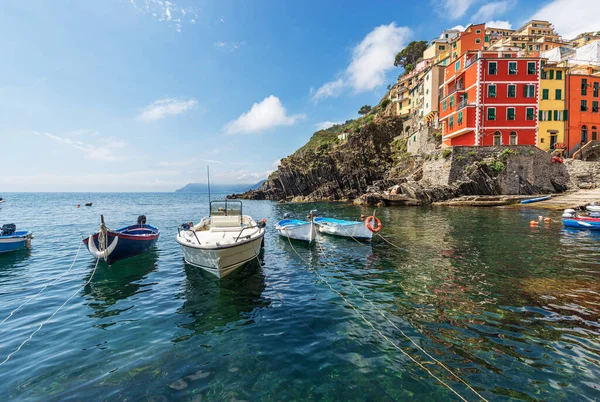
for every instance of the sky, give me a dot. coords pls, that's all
(142, 95)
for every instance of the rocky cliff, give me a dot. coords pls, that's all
(334, 168)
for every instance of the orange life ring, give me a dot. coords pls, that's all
(369, 224)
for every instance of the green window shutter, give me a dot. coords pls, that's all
(539, 115)
(559, 75)
(444, 105)
(565, 115)
(452, 101)
(556, 115)
(549, 115)
(545, 93)
(530, 113)
(551, 74)
(558, 94)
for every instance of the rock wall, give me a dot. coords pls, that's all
(582, 174)
(342, 171)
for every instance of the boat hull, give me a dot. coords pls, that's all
(538, 199)
(128, 245)
(356, 230)
(304, 232)
(222, 261)
(582, 223)
(14, 242)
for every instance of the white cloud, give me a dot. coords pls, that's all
(491, 10)
(453, 9)
(326, 124)
(162, 108)
(100, 152)
(498, 24)
(571, 17)
(229, 46)
(264, 115)
(461, 28)
(372, 58)
(165, 11)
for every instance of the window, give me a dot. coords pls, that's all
(491, 91)
(492, 68)
(452, 101)
(545, 93)
(491, 113)
(565, 115)
(594, 133)
(551, 74)
(451, 122)
(584, 134)
(529, 91)
(512, 67)
(510, 113)
(542, 115)
(478, 41)
(531, 67)
(584, 86)
(444, 105)
(497, 138)
(595, 106)
(596, 87)
(558, 94)
(557, 115)
(478, 31)
(544, 75)
(460, 117)
(559, 75)
(512, 91)
(513, 138)
(583, 106)
(549, 116)
(457, 66)
(530, 115)
(442, 47)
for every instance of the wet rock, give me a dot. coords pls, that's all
(199, 374)
(179, 385)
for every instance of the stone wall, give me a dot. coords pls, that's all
(582, 174)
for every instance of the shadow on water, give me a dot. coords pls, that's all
(119, 281)
(213, 304)
(12, 263)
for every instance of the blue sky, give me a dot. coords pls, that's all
(141, 95)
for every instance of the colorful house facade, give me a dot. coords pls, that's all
(490, 98)
(583, 109)
(552, 114)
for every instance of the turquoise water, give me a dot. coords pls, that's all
(513, 311)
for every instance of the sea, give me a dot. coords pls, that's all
(445, 304)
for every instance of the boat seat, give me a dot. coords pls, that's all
(225, 221)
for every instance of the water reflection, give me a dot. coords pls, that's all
(212, 304)
(111, 284)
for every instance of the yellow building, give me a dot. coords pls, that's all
(584, 39)
(552, 107)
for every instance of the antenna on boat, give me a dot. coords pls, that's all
(208, 176)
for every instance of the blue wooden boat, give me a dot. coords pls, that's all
(538, 199)
(11, 239)
(582, 223)
(115, 245)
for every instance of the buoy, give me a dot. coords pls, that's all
(533, 224)
(264, 220)
(363, 217)
(373, 224)
(78, 206)
(547, 220)
(540, 218)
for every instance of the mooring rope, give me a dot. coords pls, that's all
(375, 329)
(389, 242)
(53, 314)
(44, 288)
(396, 327)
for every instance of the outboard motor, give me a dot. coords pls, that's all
(569, 213)
(286, 215)
(141, 220)
(8, 229)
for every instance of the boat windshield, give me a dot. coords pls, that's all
(226, 208)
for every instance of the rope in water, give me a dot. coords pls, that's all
(395, 326)
(44, 288)
(374, 328)
(389, 242)
(52, 316)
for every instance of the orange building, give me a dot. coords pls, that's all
(472, 38)
(583, 97)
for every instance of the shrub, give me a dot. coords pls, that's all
(497, 166)
(532, 152)
(436, 156)
(385, 103)
(508, 152)
(446, 153)
(472, 154)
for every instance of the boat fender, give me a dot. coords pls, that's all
(141, 220)
(262, 223)
(547, 220)
(104, 253)
(373, 224)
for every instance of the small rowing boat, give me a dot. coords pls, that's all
(115, 245)
(571, 220)
(12, 240)
(343, 228)
(223, 241)
(297, 230)
(538, 199)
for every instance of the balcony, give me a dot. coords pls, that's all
(462, 104)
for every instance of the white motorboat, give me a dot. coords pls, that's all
(593, 208)
(297, 229)
(223, 241)
(339, 227)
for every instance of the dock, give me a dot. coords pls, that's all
(575, 199)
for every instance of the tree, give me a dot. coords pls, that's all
(410, 54)
(364, 110)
